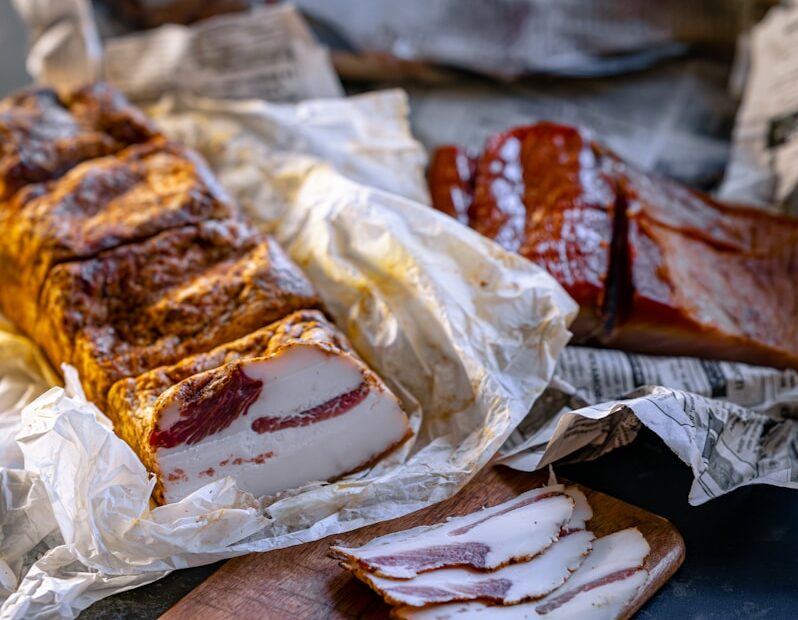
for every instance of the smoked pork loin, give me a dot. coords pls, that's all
(194, 331)
(655, 267)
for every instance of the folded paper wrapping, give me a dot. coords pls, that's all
(253, 146)
(465, 333)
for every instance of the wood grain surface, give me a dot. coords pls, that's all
(303, 582)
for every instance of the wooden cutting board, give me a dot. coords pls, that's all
(302, 582)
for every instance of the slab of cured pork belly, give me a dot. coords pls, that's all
(98, 205)
(44, 134)
(545, 192)
(600, 589)
(656, 267)
(147, 304)
(285, 405)
(488, 539)
(515, 582)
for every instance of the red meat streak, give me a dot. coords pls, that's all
(326, 410)
(470, 553)
(258, 460)
(559, 601)
(207, 414)
(528, 501)
(492, 589)
(177, 474)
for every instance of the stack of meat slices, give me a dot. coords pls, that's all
(527, 558)
(655, 267)
(193, 330)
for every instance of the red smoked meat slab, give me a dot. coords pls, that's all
(656, 267)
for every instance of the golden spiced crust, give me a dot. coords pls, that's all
(147, 304)
(303, 326)
(101, 204)
(42, 134)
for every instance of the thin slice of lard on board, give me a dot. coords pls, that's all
(513, 583)
(600, 589)
(488, 539)
(508, 584)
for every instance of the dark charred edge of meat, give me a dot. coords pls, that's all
(116, 117)
(125, 133)
(619, 289)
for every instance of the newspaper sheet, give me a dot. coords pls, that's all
(268, 53)
(763, 170)
(732, 423)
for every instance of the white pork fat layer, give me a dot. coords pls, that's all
(582, 511)
(510, 584)
(521, 528)
(294, 381)
(599, 589)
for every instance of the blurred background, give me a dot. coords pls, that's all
(13, 38)
(655, 79)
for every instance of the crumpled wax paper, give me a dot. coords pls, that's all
(464, 332)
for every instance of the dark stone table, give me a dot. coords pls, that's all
(742, 549)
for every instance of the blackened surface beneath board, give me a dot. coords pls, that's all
(152, 600)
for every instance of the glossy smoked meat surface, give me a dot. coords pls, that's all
(656, 267)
